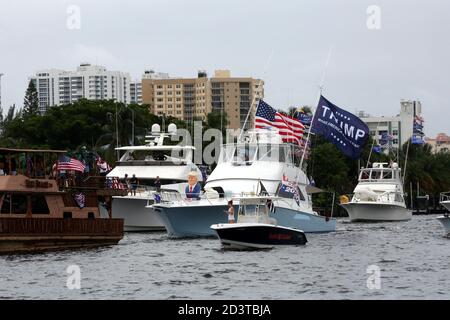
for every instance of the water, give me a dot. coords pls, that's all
(414, 259)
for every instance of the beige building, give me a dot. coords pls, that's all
(193, 98)
(439, 144)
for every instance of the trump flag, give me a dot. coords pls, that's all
(345, 130)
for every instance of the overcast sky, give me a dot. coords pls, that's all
(284, 42)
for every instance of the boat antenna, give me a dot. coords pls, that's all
(254, 96)
(406, 161)
(321, 86)
(371, 148)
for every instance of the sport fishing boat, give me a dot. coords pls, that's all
(260, 158)
(445, 219)
(378, 196)
(254, 228)
(39, 211)
(171, 163)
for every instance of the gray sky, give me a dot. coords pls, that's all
(371, 70)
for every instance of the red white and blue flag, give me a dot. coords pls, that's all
(67, 163)
(289, 128)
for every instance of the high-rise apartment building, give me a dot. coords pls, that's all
(399, 129)
(57, 87)
(136, 92)
(193, 98)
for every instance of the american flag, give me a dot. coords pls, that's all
(67, 163)
(289, 128)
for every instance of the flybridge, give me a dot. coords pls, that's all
(339, 121)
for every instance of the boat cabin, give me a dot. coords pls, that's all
(380, 172)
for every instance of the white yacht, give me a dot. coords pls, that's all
(171, 163)
(445, 219)
(378, 196)
(260, 158)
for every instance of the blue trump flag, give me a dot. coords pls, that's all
(345, 130)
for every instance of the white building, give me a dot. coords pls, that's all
(136, 92)
(57, 87)
(399, 128)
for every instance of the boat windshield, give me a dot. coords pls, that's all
(246, 154)
(378, 174)
(252, 210)
(153, 155)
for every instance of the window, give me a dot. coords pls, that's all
(179, 92)
(19, 204)
(395, 132)
(39, 205)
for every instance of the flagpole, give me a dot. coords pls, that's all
(318, 100)
(254, 96)
(371, 149)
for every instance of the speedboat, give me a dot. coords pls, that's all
(171, 163)
(254, 228)
(445, 219)
(260, 158)
(378, 196)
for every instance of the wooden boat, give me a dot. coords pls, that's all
(37, 213)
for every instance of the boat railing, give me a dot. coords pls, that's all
(444, 196)
(172, 196)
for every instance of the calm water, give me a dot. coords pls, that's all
(413, 256)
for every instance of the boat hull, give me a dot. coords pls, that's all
(40, 234)
(445, 220)
(137, 218)
(257, 236)
(195, 221)
(376, 212)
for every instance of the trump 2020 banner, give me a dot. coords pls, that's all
(345, 130)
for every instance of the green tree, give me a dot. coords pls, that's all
(31, 101)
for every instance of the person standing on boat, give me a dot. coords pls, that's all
(193, 188)
(157, 184)
(230, 212)
(103, 167)
(126, 182)
(134, 183)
